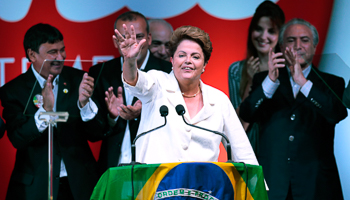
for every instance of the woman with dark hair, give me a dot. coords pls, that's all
(205, 106)
(262, 36)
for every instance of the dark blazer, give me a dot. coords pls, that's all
(2, 127)
(346, 96)
(296, 136)
(29, 179)
(106, 75)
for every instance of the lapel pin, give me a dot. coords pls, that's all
(38, 100)
(65, 90)
(64, 83)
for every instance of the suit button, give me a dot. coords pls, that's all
(291, 138)
(185, 147)
(292, 117)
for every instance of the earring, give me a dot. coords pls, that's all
(203, 70)
(172, 68)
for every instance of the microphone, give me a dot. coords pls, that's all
(164, 111)
(181, 111)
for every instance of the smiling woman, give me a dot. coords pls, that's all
(262, 36)
(205, 106)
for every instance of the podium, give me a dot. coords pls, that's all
(199, 180)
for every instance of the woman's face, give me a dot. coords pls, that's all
(188, 61)
(265, 36)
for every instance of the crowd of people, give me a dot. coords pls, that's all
(281, 112)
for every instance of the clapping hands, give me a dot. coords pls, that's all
(294, 66)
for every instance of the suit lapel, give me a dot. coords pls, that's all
(151, 64)
(175, 98)
(208, 103)
(63, 92)
(285, 87)
(313, 75)
(31, 82)
(173, 94)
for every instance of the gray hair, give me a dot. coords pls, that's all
(162, 21)
(302, 22)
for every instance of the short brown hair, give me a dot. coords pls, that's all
(191, 33)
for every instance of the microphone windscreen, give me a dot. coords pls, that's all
(180, 109)
(164, 111)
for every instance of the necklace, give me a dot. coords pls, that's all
(191, 96)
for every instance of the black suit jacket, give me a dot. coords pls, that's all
(29, 179)
(106, 75)
(2, 127)
(296, 137)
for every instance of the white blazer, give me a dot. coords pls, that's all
(178, 142)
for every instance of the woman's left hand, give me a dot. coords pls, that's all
(128, 44)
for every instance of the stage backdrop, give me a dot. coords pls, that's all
(87, 27)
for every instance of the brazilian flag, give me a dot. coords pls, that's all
(190, 180)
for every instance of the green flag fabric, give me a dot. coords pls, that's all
(189, 180)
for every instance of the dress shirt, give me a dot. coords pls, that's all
(178, 142)
(125, 155)
(87, 112)
(41, 124)
(270, 87)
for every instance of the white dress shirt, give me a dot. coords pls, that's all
(89, 111)
(125, 154)
(178, 142)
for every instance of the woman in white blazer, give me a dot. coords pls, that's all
(204, 105)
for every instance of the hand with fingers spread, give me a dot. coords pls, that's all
(86, 89)
(113, 102)
(130, 112)
(47, 93)
(294, 66)
(128, 44)
(274, 63)
(252, 66)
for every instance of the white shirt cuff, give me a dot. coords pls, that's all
(89, 111)
(306, 88)
(40, 123)
(270, 87)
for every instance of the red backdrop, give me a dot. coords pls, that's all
(94, 38)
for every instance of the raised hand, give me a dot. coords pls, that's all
(294, 66)
(274, 63)
(86, 89)
(252, 66)
(113, 102)
(47, 93)
(128, 44)
(130, 112)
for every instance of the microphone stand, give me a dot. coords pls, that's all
(163, 113)
(133, 152)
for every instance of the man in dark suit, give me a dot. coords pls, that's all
(297, 107)
(121, 111)
(49, 86)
